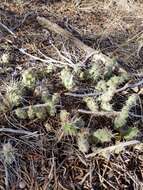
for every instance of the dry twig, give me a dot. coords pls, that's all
(114, 147)
(82, 95)
(100, 113)
(20, 131)
(127, 86)
(7, 29)
(68, 35)
(63, 32)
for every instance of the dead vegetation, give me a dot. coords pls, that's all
(71, 95)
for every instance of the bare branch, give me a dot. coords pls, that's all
(68, 35)
(20, 131)
(82, 95)
(99, 113)
(112, 148)
(140, 83)
(47, 60)
(7, 29)
(37, 106)
(63, 32)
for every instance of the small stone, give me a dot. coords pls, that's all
(22, 185)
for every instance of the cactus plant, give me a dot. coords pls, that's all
(29, 78)
(121, 119)
(67, 78)
(51, 101)
(103, 135)
(131, 133)
(106, 98)
(14, 94)
(41, 113)
(21, 113)
(68, 126)
(91, 103)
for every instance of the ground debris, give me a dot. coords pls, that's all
(71, 95)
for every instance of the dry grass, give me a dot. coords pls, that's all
(37, 154)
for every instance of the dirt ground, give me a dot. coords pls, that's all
(49, 159)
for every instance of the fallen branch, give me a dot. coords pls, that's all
(82, 95)
(113, 148)
(37, 106)
(100, 113)
(127, 86)
(63, 32)
(48, 60)
(7, 29)
(53, 27)
(20, 131)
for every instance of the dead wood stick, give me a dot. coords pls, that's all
(53, 27)
(129, 86)
(113, 148)
(20, 131)
(100, 113)
(63, 32)
(7, 29)
(67, 35)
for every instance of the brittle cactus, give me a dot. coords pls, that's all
(64, 116)
(101, 86)
(95, 72)
(121, 119)
(101, 68)
(51, 101)
(68, 126)
(46, 96)
(103, 135)
(67, 78)
(91, 103)
(117, 80)
(21, 113)
(14, 94)
(49, 69)
(41, 113)
(29, 78)
(106, 98)
(109, 89)
(131, 133)
(56, 98)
